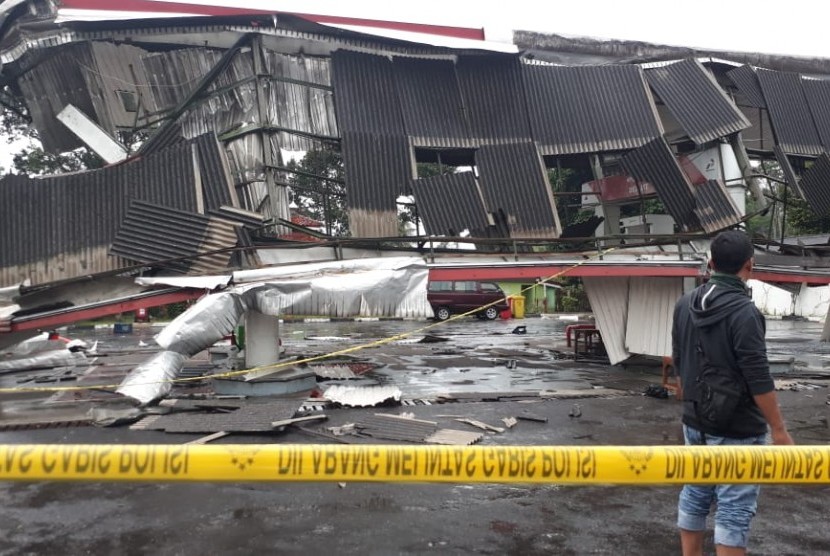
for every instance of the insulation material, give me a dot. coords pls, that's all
(609, 301)
(212, 318)
(650, 311)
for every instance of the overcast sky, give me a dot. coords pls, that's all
(794, 27)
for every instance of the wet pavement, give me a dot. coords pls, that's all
(355, 518)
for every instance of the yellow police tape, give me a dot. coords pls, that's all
(577, 465)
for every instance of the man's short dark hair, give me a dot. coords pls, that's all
(730, 251)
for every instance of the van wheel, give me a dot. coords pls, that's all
(491, 313)
(443, 313)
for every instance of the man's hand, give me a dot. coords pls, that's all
(780, 437)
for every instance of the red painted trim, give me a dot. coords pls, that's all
(546, 271)
(71, 315)
(772, 276)
(196, 9)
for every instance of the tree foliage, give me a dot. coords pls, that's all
(318, 189)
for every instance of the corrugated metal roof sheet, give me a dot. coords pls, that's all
(650, 314)
(697, 101)
(395, 427)
(365, 96)
(791, 119)
(251, 417)
(450, 203)
(609, 302)
(746, 81)
(817, 93)
(513, 180)
(362, 396)
(62, 226)
(217, 185)
(655, 163)
(433, 110)
(378, 169)
(151, 233)
(578, 109)
(494, 98)
(715, 208)
(787, 170)
(815, 184)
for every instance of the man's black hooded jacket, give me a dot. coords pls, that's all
(731, 332)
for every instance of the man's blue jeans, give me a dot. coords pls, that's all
(736, 504)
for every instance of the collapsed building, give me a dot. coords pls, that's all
(217, 99)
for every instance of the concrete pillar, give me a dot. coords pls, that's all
(262, 339)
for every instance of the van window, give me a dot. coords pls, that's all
(465, 286)
(440, 286)
(489, 287)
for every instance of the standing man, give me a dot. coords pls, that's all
(717, 325)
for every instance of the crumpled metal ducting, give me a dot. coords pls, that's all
(394, 286)
(44, 360)
(152, 379)
(212, 318)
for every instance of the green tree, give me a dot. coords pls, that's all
(319, 191)
(16, 123)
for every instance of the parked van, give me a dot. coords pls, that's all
(454, 297)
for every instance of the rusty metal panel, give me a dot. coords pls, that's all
(795, 131)
(746, 81)
(449, 204)
(655, 163)
(580, 109)
(650, 314)
(493, 94)
(378, 169)
(514, 182)
(696, 100)
(433, 110)
(609, 302)
(817, 92)
(815, 184)
(715, 208)
(787, 170)
(366, 99)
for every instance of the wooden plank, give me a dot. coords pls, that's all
(295, 420)
(209, 438)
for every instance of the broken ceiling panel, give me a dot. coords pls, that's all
(366, 99)
(715, 208)
(795, 131)
(584, 109)
(815, 184)
(433, 110)
(151, 233)
(655, 163)
(493, 94)
(449, 204)
(746, 81)
(514, 182)
(817, 92)
(696, 100)
(651, 304)
(787, 169)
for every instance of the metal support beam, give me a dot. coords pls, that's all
(745, 165)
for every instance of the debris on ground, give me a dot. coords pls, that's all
(509, 422)
(407, 429)
(362, 396)
(481, 425)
